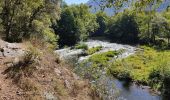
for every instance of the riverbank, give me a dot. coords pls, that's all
(31, 71)
(96, 66)
(148, 67)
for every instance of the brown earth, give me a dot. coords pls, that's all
(49, 79)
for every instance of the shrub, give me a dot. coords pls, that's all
(102, 58)
(81, 46)
(93, 50)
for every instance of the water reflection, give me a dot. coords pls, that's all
(130, 91)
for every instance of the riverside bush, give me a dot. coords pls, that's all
(148, 66)
(81, 46)
(93, 50)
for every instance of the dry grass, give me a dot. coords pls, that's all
(35, 74)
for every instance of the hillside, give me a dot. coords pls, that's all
(33, 73)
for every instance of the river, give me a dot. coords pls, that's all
(108, 87)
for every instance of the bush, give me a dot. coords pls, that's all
(93, 50)
(81, 46)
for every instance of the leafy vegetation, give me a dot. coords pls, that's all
(96, 64)
(75, 25)
(81, 46)
(123, 27)
(93, 50)
(21, 19)
(148, 66)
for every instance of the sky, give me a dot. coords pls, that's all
(69, 2)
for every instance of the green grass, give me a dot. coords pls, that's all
(93, 67)
(93, 50)
(103, 58)
(81, 46)
(148, 66)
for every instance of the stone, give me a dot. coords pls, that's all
(67, 84)
(57, 71)
(50, 96)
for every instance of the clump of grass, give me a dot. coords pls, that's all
(59, 88)
(27, 85)
(93, 50)
(81, 46)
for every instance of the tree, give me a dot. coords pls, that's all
(75, 25)
(166, 14)
(115, 4)
(123, 27)
(102, 20)
(23, 18)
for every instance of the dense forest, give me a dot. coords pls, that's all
(58, 25)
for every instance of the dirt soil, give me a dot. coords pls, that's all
(51, 79)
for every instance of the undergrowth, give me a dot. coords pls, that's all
(93, 50)
(148, 66)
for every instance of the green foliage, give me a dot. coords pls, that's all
(123, 27)
(102, 20)
(147, 66)
(21, 18)
(94, 66)
(93, 50)
(75, 25)
(102, 58)
(81, 46)
(143, 27)
(151, 29)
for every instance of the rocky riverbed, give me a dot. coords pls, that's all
(68, 53)
(108, 87)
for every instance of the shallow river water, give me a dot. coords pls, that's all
(114, 88)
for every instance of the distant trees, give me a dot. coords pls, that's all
(123, 28)
(75, 25)
(102, 20)
(166, 15)
(23, 18)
